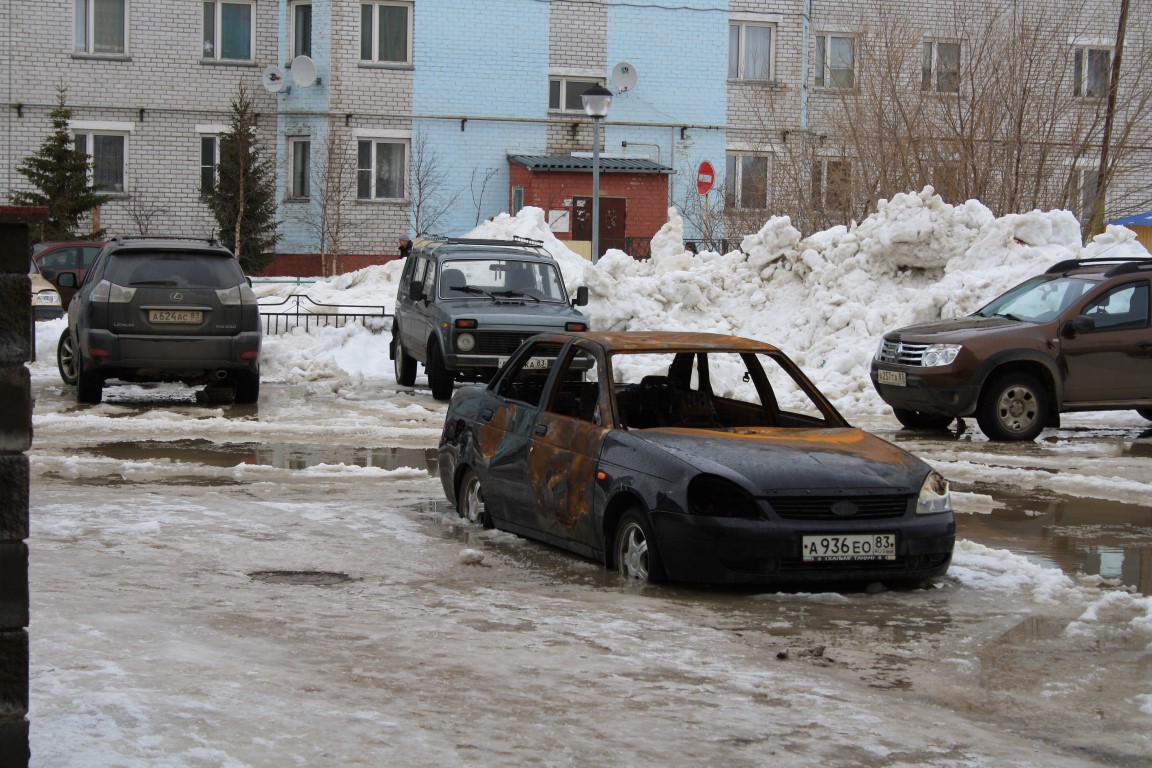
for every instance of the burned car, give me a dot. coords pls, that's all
(690, 457)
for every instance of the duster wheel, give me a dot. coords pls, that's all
(1013, 407)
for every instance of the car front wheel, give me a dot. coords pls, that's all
(1013, 407)
(470, 500)
(918, 420)
(439, 377)
(635, 554)
(66, 358)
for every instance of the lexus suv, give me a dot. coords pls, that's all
(1076, 338)
(162, 309)
(465, 305)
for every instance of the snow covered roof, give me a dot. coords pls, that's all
(546, 163)
(1135, 220)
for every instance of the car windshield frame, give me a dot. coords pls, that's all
(1040, 299)
(501, 277)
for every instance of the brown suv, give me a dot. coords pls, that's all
(1075, 338)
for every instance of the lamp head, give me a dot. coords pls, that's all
(597, 100)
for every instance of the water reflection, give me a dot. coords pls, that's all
(277, 455)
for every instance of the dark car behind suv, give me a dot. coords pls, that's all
(1076, 338)
(464, 306)
(155, 309)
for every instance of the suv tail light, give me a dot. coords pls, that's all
(112, 293)
(236, 296)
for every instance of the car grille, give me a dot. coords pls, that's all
(822, 507)
(902, 352)
(500, 342)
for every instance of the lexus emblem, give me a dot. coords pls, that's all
(844, 509)
(176, 296)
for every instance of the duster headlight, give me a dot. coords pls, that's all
(939, 354)
(935, 495)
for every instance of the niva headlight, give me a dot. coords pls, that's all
(935, 495)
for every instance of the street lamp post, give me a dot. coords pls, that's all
(597, 100)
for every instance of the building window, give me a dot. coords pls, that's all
(300, 170)
(835, 62)
(386, 33)
(746, 181)
(209, 163)
(229, 30)
(750, 52)
(941, 70)
(1092, 71)
(107, 154)
(302, 29)
(832, 185)
(517, 199)
(564, 93)
(101, 26)
(380, 167)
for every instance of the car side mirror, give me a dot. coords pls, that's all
(581, 296)
(1079, 325)
(66, 279)
(415, 291)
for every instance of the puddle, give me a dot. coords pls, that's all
(308, 578)
(277, 455)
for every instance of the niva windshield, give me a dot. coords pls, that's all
(501, 279)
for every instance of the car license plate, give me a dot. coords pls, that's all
(533, 364)
(185, 316)
(851, 546)
(895, 378)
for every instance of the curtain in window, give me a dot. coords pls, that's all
(392, 33)
(389, 170)
(236, 31)
(757, 53)
(108, 26)
(302, 30)
(108, 163)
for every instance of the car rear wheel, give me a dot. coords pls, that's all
(403, 363)
(246, 386)
(470, 500)
(1013, 407)
(635, 554)
(439, 377)
(921, 421)
(66, 358)
(1145, 413)
(89, 386)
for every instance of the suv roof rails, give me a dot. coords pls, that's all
(214, 241)
(437, 241)
(1122, 264)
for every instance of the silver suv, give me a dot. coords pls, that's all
(464, 306)
(162, 309)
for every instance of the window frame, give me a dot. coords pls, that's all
(299, 186)
(735, 188)
(86, 10)
(89, 139)
(738, 57)
(374, 142)
(930, 72)
(295, 49)
(823, 74)
(1082, 70)
(218, 30)
(559, 84)
(374, 42)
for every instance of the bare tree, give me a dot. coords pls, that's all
(430, 200)
(478, 197)
(332, 190)
(143, 211)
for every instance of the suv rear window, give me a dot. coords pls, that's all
(173, 269)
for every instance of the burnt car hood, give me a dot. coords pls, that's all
(768, 460)
(952, 331)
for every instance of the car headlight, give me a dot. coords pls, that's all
(940, 354)
(711, 496)
(935, 495)
(47, 297)
(466, 342)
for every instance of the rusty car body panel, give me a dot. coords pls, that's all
(727, 478)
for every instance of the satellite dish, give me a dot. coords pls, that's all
(274, 80)
(304, 72)
(624, 77)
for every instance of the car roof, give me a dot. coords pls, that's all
(209, 246)
(1106, 267)
(476, 248)
(667, 341)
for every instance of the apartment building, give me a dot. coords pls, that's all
(390, 117)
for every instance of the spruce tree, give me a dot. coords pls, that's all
(243, 202)
(60, 173)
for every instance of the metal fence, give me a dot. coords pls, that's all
(300, 311)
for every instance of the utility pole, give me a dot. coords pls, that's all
(1096, 225)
